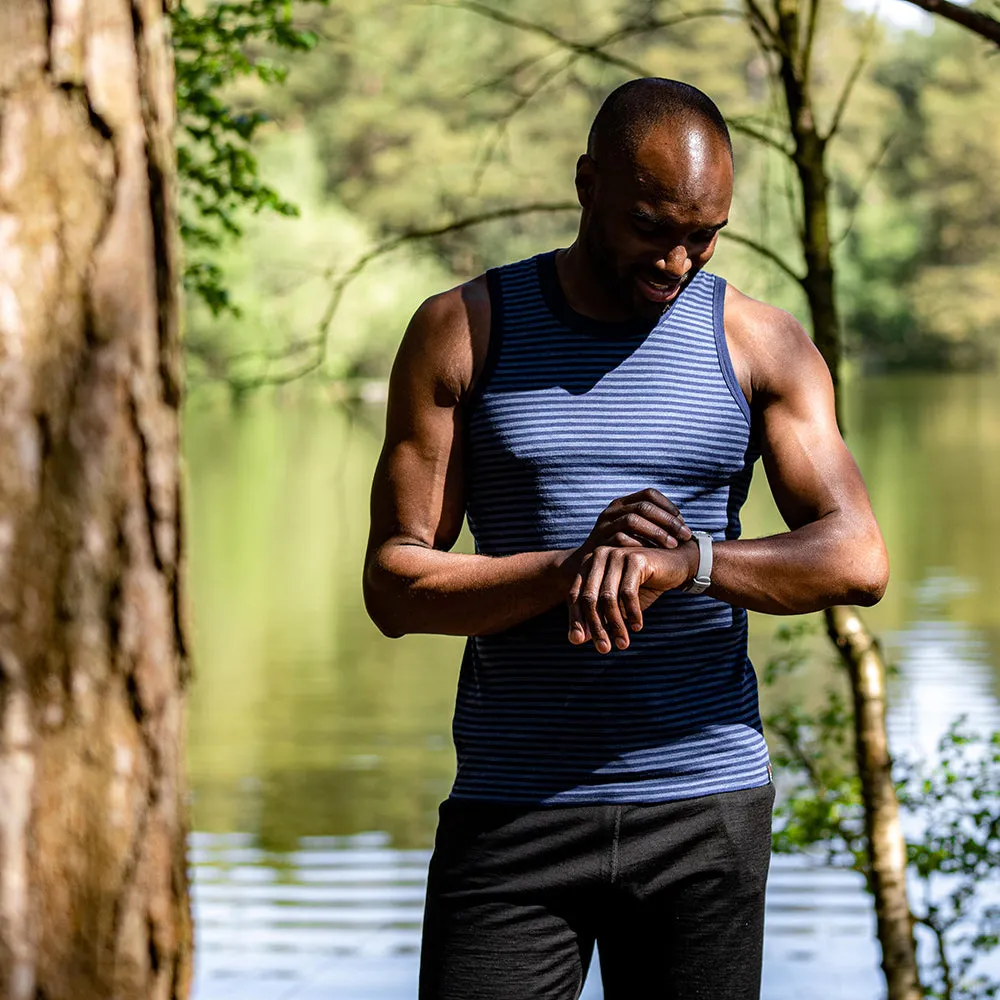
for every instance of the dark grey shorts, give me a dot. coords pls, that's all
(672, 894)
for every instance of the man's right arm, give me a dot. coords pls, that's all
(412, 582)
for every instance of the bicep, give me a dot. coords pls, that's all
(808, 466)
(417, 494)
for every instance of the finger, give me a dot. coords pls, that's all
(654, 496)
(608, 601)
(588, 599)
(578, 632)
(673, 523)
(653, 524)
(643, 531)
(624, 541)
(628, 594)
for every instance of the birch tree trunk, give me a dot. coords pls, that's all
(788, 35)
(93, 663)
(886, 845)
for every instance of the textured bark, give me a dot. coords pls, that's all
(809, 157)
(886, 846)
(787, 34)
(93, 665)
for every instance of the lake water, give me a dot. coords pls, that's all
(319, 750)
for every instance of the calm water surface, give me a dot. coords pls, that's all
(319, 750)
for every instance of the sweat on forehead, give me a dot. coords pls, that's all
(633, 109)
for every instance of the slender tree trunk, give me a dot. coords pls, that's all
(789, 38)
(93, 665)
(886, 846)
(819, 277)
(809, 156)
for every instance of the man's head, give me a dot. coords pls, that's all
(655, 185)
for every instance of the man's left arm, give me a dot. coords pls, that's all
(833, 552)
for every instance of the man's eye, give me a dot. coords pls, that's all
(703, 236)
(645, 226)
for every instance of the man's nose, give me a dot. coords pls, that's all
(675, 264)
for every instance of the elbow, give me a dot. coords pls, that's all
(869, 575)
(379, 603)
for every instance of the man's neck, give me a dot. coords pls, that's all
(584, 288)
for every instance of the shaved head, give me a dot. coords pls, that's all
(655, 187)
(638, 107)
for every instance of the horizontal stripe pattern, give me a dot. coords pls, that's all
(566, 421)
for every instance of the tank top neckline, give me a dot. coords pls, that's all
(558, 304)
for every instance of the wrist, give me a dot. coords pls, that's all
(566, 565)
(692, 556)
(672, 569)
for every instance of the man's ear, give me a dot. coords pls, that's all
(586, 180)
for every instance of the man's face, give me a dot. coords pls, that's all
(650, 225)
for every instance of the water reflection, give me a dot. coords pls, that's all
(340, 918)
(309, 730)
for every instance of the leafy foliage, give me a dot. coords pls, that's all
(420, 114)
(217, 167)
(950, 812)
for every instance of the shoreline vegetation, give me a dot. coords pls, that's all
(489, 117)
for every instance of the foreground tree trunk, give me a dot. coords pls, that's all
(93, 885)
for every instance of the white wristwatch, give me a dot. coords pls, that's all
(703, 578)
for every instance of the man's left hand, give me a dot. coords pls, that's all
(616, 584)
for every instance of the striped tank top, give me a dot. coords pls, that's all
(568, 415)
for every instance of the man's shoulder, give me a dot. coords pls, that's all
(460, 306)
(758, 323)
(769, 344)
(448, 336)
(469, 302)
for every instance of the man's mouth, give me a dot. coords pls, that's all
(656, 290)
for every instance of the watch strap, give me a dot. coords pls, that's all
(703, 578)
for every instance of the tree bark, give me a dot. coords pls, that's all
(788, 38)
(809, 157)
(93, 662)
(886, 846)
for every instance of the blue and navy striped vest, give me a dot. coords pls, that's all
(568, 415)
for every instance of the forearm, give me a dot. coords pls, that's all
(413, 588)
(816, 566)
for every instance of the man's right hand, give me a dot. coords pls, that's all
(645, 518)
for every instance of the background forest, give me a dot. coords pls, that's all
(194, 705)
(424, 142)
(416, 116)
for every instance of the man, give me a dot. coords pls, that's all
(596, 413)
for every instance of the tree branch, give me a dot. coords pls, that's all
(769, 37)
(870, 172)
(596, 49)
(503, 123)
(852, 79)
(811, 20)
(413, 235)
(766, 252)
(584, 48)
(740, 125)
(939, 937)
(805, 761)
(220, 367)
(974, 20)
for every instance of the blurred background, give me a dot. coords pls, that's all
(318, 749)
